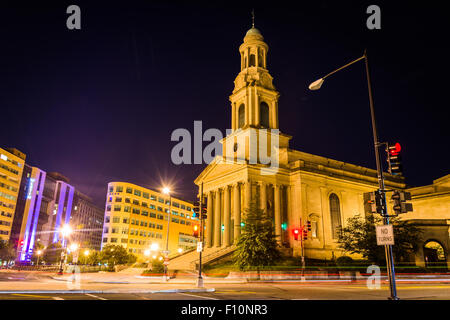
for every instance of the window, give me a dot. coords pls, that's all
(176, 220)
(182, 221)
(145, 195)
(144, 213)
(161, 200)
(125, 220)
(176, 204)
(107, 219)
(116, 219)
(144, 204)
(264, 114)
(137, 193)
(105, 230)
(113, 240)
(152, 206)
(136, 202)
(188, 223)
(160, 216)
(111, 189)
(152, 215)
(127, 209)
(182, 207)
(152, 197)
(252, 61)
(167, 211)
(314, 229)
(188, 208)
(118, 199)
(175, 213)
(119, 189)
(123, 240)
(108, 207)
(335, 212)
(114, 230)
(168, 202)
(136, 211)
(105, 239)
(117, 207)
(129, 190)
(160, 209)
(241, 115)
(127, 200)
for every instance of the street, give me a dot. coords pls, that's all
(46, 286)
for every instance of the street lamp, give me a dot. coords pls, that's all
(180, 250)
(389, 256)
(65, 231)
(166, 191)
(39, 252)
(86, 252)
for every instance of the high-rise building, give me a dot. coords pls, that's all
(45, 202)
(137, 218)
(87, 222)
(12, 162)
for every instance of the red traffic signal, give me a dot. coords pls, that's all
(195, 230)
(395, 149)
(21, 243)
(296, 232)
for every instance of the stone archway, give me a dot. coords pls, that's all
(434, 253)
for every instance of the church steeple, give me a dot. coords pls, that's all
(254, 99)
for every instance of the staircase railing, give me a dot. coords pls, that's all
(212, 255)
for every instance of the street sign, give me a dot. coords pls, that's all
(199, 246)
(385, 235)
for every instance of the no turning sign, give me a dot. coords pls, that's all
(385, 235)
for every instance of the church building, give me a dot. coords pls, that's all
(293, 187)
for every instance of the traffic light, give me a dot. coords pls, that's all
(394, 159)
(373, 202)
(308, 225)
(204, 213)
(305, 235)
(296, 232)
(21, 243)
(400, 204)
(195, 234)
(242, 224)
(284, 226)
(196, 209)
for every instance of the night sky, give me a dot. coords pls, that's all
(99, 104)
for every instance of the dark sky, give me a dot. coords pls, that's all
(100, 104)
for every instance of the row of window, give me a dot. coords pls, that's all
(4, 232)
(146, 195)
(5, 223)
(8, 187)
(14, 162)
(6, 214)
(7, 196)
(9, 169)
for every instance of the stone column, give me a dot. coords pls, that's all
(226, 217)
(258, 116)
(263, 196)
(237, 212)
(233, 116)
(277, 212)
(209, 220)
(217, 220)
(247, 194)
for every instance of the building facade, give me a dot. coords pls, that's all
(137, 217)
(45, 202)
(293, 187)
(12, 163)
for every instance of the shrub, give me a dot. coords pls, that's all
(344, 261)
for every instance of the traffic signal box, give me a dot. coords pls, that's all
(195, 230)
(400, 204)
(394, 159)
(196, 209)
(296, 233)
(373, 202)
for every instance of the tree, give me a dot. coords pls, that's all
(113, 255)
(52, 254)
(37, 246)
(7, 251)
(359, 236)
(257, 245)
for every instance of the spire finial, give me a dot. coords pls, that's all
(253, 18)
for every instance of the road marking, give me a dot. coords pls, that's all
(193, 295)
(236, 292)
(57, 298)
(94, 296)
(30, 295)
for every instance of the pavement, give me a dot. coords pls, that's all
(112, 286)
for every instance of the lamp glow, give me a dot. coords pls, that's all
(154, 247)
(66, 230)
(73, 247)
(147, 252)
(86, 252)
(180, 250)
(166, 190)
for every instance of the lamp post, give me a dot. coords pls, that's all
(66, 230)
(388, 249)
(166, 191)
(39, 252)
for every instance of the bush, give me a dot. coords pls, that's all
(344, 261)
(157, 267)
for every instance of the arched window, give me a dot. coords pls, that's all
(260, 59)
(241, 113)
(264, 114)
(335, 212)
(252, 61)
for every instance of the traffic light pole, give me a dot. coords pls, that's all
(202, 237)
(388, 248)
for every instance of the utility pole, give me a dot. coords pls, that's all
(202, 237)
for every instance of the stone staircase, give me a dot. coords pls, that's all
(190, 260)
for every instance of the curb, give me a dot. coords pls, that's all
(198, 290)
